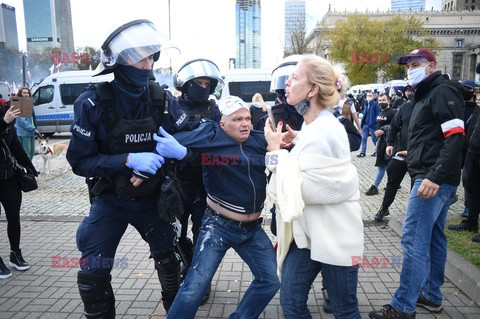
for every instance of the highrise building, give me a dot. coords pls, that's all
(8, 27)
(248, 34)
(294, 22)
(408, 5)
(48, 23)
(458, 5)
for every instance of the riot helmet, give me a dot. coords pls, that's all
(281, 73)
(198, 68)
(131, 43)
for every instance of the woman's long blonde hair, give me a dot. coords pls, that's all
(330, 80)
(259, 99)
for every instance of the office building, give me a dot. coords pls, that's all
(294, 22)
(408, 5)
(8, 27)
(458, 5)
(48, 23)
(248, 34)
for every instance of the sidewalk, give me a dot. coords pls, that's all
(50, 217)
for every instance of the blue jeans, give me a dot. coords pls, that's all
(424, 248)
(380, 173)
(365, 131)
(299, 272)
(217, 235)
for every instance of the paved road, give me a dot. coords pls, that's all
(50, 217)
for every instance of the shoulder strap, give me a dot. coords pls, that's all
(160, 101)
(104, 94)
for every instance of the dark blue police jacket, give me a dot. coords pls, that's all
(233, 173)
(88, 148)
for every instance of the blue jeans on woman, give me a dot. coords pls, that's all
(381, 169)
(424, 248)
(217, 235)
(299, 272)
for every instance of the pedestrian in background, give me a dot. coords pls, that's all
(26, 129)
(368, 125)
(10, 192)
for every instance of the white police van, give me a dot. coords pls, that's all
(244, 83)
(54, 97)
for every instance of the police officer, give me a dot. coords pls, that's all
(112, 141)
(281, 111)
(196, 80)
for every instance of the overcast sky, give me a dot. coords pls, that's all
(200, 28)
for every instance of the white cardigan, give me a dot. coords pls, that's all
(315, 188)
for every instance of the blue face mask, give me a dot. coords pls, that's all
(197, 93)
(138, 78)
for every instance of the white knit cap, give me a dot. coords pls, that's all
(231, 104)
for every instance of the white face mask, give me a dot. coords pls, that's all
(369, 99)
(416, 76)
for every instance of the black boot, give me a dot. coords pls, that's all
(464, 225)
(373, 190)
(17, 261)
(97, 296)
(382, 212)
(168, 269)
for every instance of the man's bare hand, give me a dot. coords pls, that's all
(427, 189)
(136, 181)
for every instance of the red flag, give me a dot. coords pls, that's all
(29, 76)
(59, 66)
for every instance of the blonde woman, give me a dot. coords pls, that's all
(258, 109)
(315, 187)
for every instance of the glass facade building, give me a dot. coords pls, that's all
(248, 34)
(408, 5)
(294, 20)
(48, 23)
(8, 27)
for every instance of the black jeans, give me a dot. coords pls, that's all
(471, 182)
(11, 199)
(396, 171)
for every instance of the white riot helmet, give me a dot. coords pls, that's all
(198, 68)
(281, 73)
(131, 43)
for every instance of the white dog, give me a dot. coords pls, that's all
(51, 151)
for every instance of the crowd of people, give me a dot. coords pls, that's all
(143, 152)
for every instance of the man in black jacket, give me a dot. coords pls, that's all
(435, 140)
(471, 177)
(397, 138)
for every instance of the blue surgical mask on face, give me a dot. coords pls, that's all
(416, 76)
(197, 93)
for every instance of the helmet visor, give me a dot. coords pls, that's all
(199, 68)
(134, 43)
(280, 76)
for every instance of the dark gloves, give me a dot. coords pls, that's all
(170, 200)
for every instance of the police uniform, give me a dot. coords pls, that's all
(112, 121)
(197, 105)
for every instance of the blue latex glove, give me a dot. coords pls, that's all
(167, 146)
(145, 162)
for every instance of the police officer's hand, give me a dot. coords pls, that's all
(167, 146)
(145, 162)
